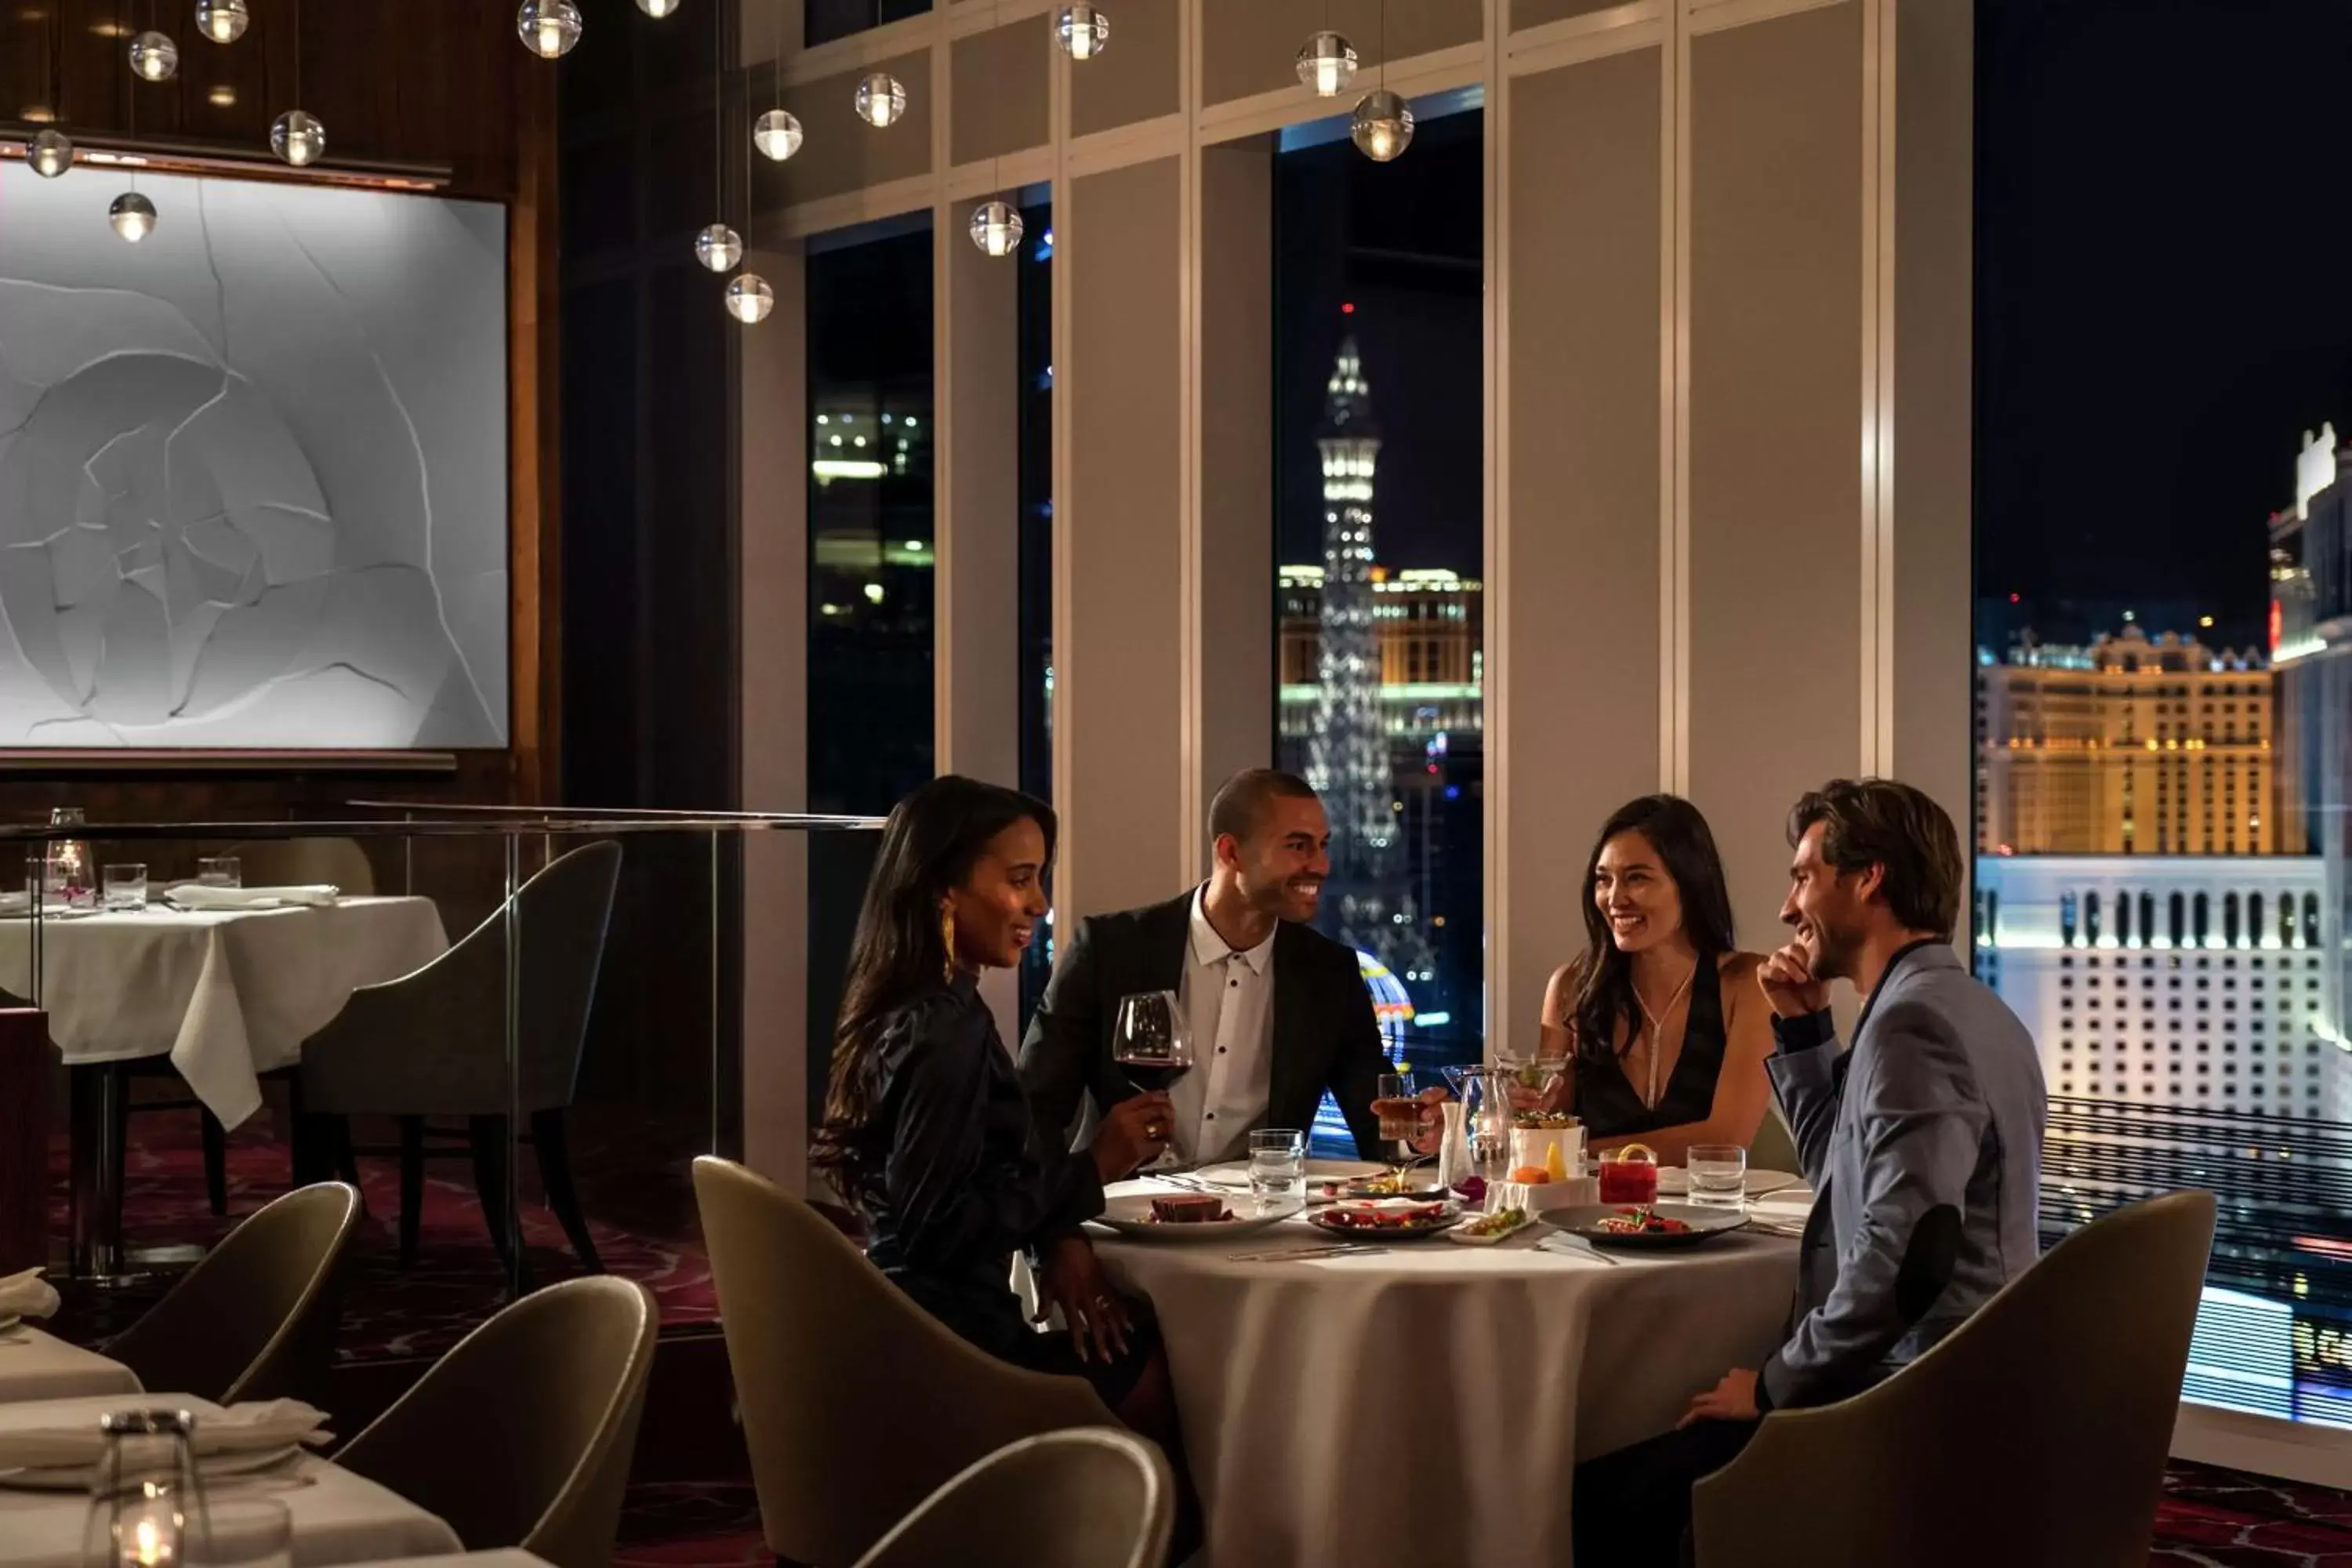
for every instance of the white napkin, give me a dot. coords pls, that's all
(27, 1295)
(192, 896)
(254, 1427)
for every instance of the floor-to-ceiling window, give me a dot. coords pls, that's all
(1036, 391)
(825, 20)
(1379, 553)
(870, 566)
(2163, 366)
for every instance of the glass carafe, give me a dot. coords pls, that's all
(144, 1501)
(1484, 1094)
(69, 874)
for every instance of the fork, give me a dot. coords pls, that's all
(1306, 1255)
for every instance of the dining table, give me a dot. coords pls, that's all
(1426, 1403)
(37, 1365)
(225, 995)
(338, 1517)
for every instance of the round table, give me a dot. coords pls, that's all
(1427, 1405)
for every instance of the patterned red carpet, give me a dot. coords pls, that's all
(642, 1223)
(2209, 1519)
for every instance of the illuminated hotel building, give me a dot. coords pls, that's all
(2184, 982)
(2130, 746)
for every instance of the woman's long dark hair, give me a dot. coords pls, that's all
(1604, 978)
(929, 846)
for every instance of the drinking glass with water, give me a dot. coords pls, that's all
(1277, 1165)
(1718, 1176)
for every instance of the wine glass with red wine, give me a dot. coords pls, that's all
(1151, 1040)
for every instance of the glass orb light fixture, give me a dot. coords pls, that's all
(223, 21)
(749, 299)
(719, 247)
(996, 227)
(1382, 127)
(548, 28)
(154, 57)
(881, 101)
(299, 138)
(1082, 31)
(133, 216)
(777, 134)
(1327, 64)
(657, 9)
(50, 155)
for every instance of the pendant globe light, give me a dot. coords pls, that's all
(719, 247)
(154, 57)
(298, 136)
(133, 216)
(996, 227)
(881, 101)
(51, 150)
(749, 299)
(1082, 31)
(657, 9)
(1381, 127)
(223, 21)
(548, 28)
(1327, 64)
(777, 133)
(51, 153)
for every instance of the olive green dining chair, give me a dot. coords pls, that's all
(522, 1434)
(257, 1318)
(1092, 1497)
(2052, 1406)
(1772, 1148)
(834, 1365)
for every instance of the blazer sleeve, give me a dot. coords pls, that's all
(1057, 1054)
(957, 1202)
(1358, 1061)
(1808, 1071)
(1921, 1123)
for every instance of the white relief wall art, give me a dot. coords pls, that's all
(253, 470)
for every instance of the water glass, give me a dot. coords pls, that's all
(1718, 1176)
(125, 887)
(1277, 1165)
(219, 872)
(241, 1532)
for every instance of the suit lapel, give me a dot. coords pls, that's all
(1292, 1095)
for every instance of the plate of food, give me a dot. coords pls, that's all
(1654, 1227)
(1188, 1216)
(1422, 1184)
(1674, 1180)
(1486, 1229)
(1385, 1219)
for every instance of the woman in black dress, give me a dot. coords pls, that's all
(927, 1131)
(1660, 1019)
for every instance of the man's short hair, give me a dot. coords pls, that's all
(1242, 801)
(1879, 821)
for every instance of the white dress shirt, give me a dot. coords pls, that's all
(1228, 998)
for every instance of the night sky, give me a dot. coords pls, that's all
(2164, 289)
(1402, 242)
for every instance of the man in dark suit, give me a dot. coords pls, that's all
(1278, 1012)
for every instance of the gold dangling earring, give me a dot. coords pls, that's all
(946, 939)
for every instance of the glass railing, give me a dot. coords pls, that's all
(512, 1029)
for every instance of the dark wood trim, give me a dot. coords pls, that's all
(24, 1064)
(535, 554)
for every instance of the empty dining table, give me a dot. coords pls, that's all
(337, 1518)
(37, 1365)
(1426, 1403)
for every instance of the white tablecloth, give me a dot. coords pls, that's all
(37, 1365)
(227, 994)
(508, 1557)
(1428, 1406)
(338, 1517)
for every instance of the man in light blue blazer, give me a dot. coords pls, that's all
(1923, 1144)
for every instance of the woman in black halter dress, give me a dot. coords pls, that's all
(1662, 1023)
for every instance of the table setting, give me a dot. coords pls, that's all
(102, 1481)
(35, 1364)
(1513, 1332)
